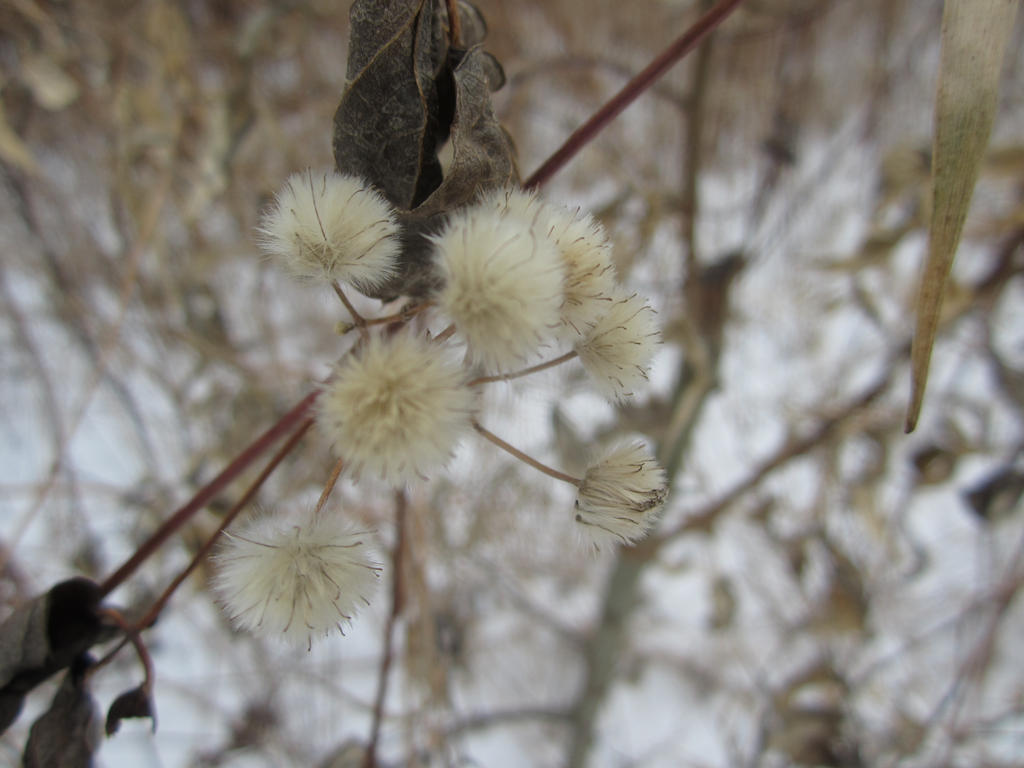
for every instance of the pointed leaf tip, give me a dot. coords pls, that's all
(974, 36)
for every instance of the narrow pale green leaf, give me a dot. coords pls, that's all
(974, 35)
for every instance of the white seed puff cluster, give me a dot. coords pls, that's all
(397, 407)
(621, 495)
(520, 272)
(332, 227)
(294, 578)
(517, 275)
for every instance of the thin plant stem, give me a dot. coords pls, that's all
(208, 492)
(397, 602)
(526, 458)
(356, 317)
(631, 91)
(692, 150)
(131, 634)
(526, 371)
(328, 487)
(446, 333)
(403, 315)
(242, 503)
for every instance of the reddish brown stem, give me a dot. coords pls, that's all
(526, 371)
(629, 93)
(208, 492)
(525, 457)
(328, 487)
(284, 450)
(446, 333)
(397, 600)
(132, 635)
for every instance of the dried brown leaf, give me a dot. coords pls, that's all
(45, 636)
(408, 92)
(472, 24)
(386, 126)
(136, 702)
(484, 159)
(483, 156)
(67, 734)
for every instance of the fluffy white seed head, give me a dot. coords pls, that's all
(621, 495)
(581, 241)
(503, 287)
(617, 349)
(589, 272)
(329, 226)
(397, 407)
(514, 202)
(294, 578)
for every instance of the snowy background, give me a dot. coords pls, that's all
(822, 589)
